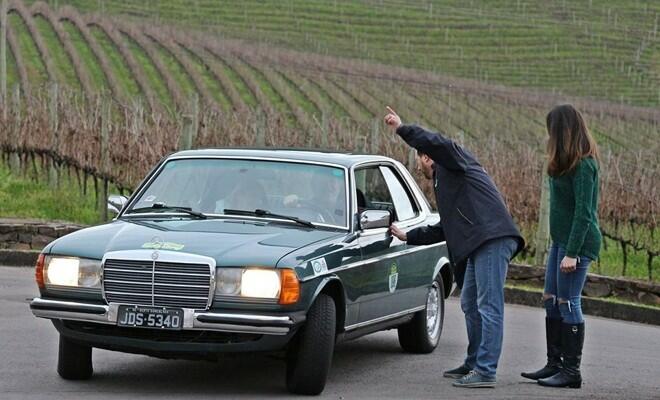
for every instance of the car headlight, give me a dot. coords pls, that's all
(72, 271)
(258, 283)
(228, 281)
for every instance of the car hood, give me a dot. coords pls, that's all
(230, 242)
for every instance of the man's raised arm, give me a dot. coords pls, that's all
(441, 150)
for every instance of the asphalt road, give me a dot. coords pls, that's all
(620, 361)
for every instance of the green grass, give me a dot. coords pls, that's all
(118, 64)
(273, 96)
(610, 262)
(335, 108)
(209, 80)
(175, 68)
(152, 74)
(86, 55)
(12, 70)
(36, 69)
(26, 198)
(300, 98)
(238, 82)
(63, 64)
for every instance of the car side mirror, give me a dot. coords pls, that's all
(116, 202)
(372, 219)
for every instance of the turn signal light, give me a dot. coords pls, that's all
(39, 271)
(290, 291)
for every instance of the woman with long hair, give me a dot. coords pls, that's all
(576, 240)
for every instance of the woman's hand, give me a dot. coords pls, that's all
(568, 264)
(392, 119)
(398, 233)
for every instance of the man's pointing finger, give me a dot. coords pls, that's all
(391, 110)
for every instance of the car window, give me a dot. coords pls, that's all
(372, 192)
(316, 193)
(403, 204)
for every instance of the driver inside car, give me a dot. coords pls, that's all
(327, 198)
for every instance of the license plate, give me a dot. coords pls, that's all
(150, 317)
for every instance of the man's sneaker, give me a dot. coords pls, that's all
(457, 373)
(474, 380)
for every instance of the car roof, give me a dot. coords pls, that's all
(309, 155)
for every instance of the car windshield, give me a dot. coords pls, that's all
(315, 193)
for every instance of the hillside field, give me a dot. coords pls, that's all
(102, 89)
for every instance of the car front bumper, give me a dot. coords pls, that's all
(192, 319)
(96, 325)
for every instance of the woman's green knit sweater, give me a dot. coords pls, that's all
(574, 210)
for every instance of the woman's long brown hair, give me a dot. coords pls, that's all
(569, 140)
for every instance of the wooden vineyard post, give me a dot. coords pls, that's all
(14, 159)
(185, 140)
(3, 57)
(194, 115)
(543, 230)
(53, 172)
(374, 141)
(104, 163)
(260, 128)
(325, 131)
(412, 156)
(460, 138)
(137, 127)
(189, 129)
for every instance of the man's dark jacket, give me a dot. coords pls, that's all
(472, 210)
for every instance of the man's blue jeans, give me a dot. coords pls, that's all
(482, 302)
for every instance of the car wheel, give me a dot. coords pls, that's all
(422, 333)
(310, 354)
(74, 361)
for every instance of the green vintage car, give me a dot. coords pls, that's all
(231, 250)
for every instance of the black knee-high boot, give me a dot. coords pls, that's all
(572, 340)
(553, 344)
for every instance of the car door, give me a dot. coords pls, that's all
(384, 278)
(416, 263)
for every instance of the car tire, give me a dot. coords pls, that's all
(310, 354)
(74, 360)
(422, 334)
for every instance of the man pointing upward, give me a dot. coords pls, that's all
(481, 238)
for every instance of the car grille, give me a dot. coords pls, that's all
(157, 283)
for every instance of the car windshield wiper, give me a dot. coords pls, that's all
(164, 207)
(266, 213)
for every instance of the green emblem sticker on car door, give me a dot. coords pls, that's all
(319, 266)
(394, 277)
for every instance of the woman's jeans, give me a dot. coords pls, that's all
(482, 302)
(565, 288)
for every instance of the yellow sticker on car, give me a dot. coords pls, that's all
(163, 246)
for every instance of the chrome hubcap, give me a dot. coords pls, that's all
(433, 312)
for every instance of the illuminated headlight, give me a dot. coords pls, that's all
(258, 283)
(261, 283)
(71, 271)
